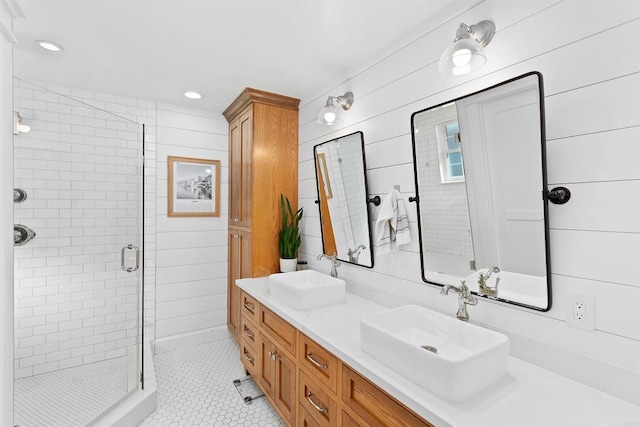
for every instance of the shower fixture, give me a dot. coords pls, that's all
(22, 234)
(19, 195)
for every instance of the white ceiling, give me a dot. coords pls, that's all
(158, 49)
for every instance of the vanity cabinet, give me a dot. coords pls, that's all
(307, 384)
(263, 163)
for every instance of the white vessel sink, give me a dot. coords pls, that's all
(468, 359)
(307, 289)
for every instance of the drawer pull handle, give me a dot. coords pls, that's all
(315, 362)
(249, 358)
(248, 332)
(315, 405)
(249, 307)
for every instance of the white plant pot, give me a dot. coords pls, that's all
(288, 265)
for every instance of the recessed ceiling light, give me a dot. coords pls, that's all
(192, 95)
(50, 46)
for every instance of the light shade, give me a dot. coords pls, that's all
(328, 116)
(18, 126)
(467, 54)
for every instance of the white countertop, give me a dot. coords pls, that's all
(528, 396)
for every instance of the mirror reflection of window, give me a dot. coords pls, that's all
(450, 152)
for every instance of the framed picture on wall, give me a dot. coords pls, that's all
(194, 187)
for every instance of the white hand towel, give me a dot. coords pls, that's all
(392, 225)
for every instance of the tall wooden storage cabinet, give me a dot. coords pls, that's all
(263, 163)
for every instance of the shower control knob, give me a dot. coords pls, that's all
(22, 234)
(19, 195)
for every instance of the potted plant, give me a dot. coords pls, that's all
(289, 239)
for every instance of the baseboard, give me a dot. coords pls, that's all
(176, 342)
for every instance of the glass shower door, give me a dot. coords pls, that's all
(78, 281)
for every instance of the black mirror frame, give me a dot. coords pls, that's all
(544, 197)
(365, 199)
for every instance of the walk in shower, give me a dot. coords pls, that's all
(78, 281)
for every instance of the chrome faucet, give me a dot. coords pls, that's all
(355, 253)
(334, 263)
(464, 298)
(482, 283)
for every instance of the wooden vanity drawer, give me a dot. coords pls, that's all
(305, 419)
(249, 307)
(375, 406)
(317, 361)
(320, 405)
(349, 420)
(248, 332)
(249, 358)
(282, 332)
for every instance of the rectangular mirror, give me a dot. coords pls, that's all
(480, 176)
(341, 180)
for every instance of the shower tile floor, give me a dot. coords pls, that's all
(195, 388)
(69, 397)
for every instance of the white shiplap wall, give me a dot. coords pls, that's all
(589, 55)
(191, 252)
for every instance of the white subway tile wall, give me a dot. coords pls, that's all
(448, 230)
(593, 128)
(81, 168)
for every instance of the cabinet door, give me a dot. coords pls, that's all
(240, 146)
(235, 171)
(285, 390)
(239, 267)
(267, 368)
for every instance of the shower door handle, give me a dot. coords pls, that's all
(122, 263)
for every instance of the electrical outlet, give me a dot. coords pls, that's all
(580, 311)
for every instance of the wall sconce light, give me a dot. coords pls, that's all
(329, 114)
(466, 54)
(18, 126)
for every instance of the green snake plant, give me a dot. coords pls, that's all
(289, 240)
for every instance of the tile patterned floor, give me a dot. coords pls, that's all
(195, 388)
(69, 397)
